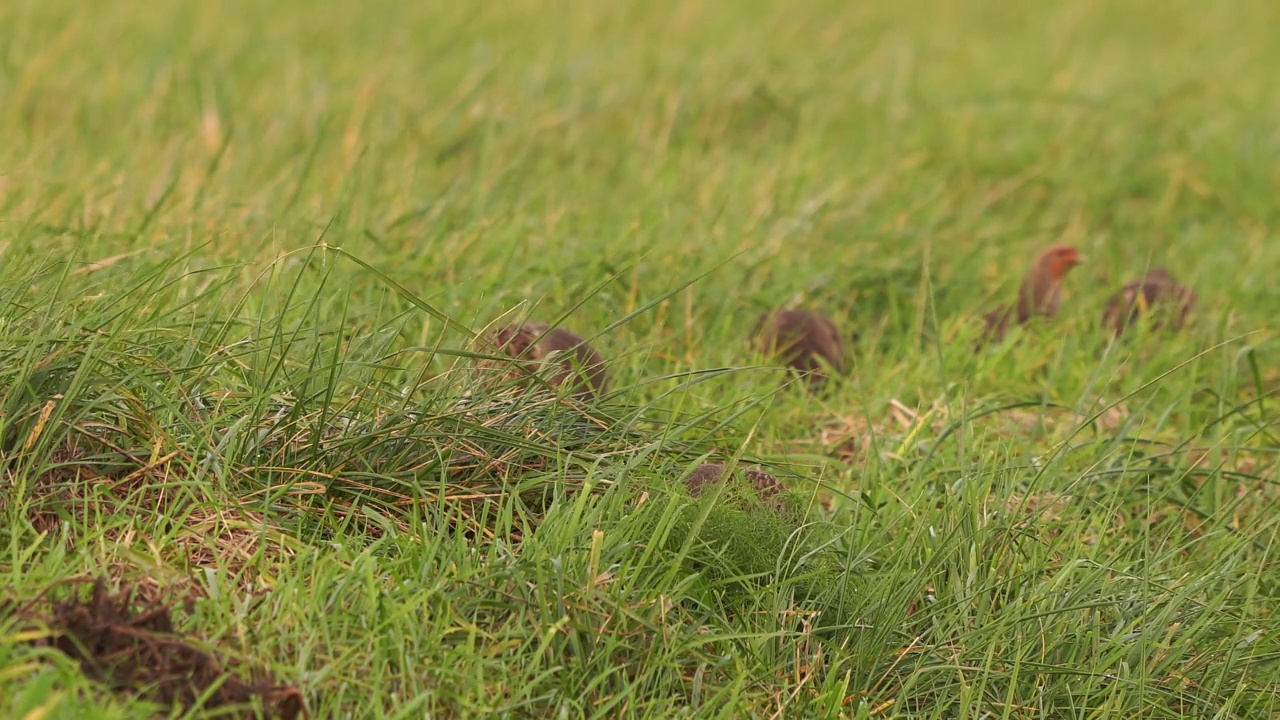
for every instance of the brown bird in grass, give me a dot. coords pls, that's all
(802, 339)
(536, 343)
(1158, 295)
(1040, 294)
(766, 485)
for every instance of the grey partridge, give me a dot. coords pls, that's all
(1039, 295)
(767, 486)
(536, 343)
(1157, 295)
(802, 339)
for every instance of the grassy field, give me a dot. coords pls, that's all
(243, 246)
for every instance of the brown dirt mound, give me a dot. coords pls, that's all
(138, 651)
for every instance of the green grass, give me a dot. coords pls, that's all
(233, 236)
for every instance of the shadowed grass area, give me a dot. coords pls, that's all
(245, 249)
